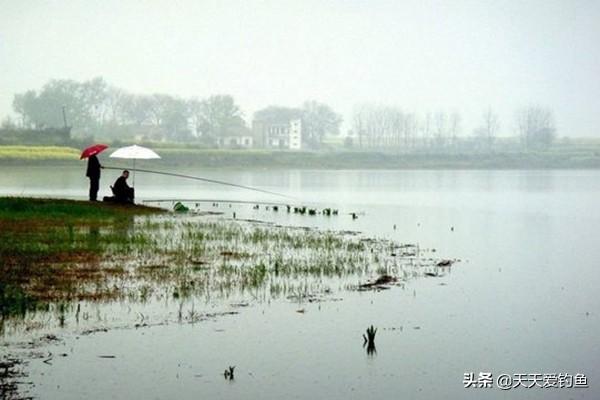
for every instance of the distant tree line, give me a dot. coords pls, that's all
(96, 108)
(376, 126)
(10, 135)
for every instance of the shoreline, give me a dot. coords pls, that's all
(339, 160)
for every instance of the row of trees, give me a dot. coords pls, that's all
(382, 126)
(385, 126)
(96, 108)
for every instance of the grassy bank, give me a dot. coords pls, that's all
(378, 160)
(62, 211)
(554, 158)
(43, 243)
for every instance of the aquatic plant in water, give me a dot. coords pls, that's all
(185, 257)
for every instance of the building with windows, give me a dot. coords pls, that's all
(236, 141)
(284, 134)
(295, 137)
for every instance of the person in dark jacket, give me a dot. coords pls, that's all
(122, 191)
(93, 172)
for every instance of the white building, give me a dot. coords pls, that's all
(285, 135)
(236, 141)
(295, 141)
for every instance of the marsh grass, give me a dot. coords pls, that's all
(62, 252)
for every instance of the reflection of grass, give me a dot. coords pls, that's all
(13, 301)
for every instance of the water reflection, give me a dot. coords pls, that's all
(369, 341)
(370, 348)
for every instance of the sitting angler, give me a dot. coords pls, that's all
(122, 192)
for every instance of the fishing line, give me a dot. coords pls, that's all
(203, 180)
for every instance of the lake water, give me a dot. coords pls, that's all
(524, 299)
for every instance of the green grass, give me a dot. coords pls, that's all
(35, 153)
(33, 209)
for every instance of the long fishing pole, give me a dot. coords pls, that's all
(266, 203)
(204, 180)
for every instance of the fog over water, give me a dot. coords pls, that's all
(421, 56)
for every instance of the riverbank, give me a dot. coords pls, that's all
(64, 211)
(573, 157)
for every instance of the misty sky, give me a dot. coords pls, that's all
(419, 55)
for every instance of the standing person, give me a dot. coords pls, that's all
(93, 172)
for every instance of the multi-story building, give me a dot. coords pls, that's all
(278, 134)
(295, 141)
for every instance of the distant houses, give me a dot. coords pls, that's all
(236, 141)
(274, 128)
(277, 131)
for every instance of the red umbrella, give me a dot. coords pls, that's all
(93, 150)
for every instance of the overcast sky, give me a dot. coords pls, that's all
(420, 55)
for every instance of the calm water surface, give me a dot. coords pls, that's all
(523, 300)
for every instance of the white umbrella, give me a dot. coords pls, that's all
(134, 152)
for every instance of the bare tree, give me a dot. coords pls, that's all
(427, 127)
(410, 129)
(455, 121)
(441, 128)
(489, 128)
(536, 126)
(384, 126)
(359, 123)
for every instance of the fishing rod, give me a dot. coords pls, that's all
(267, 203)
(203, 180)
